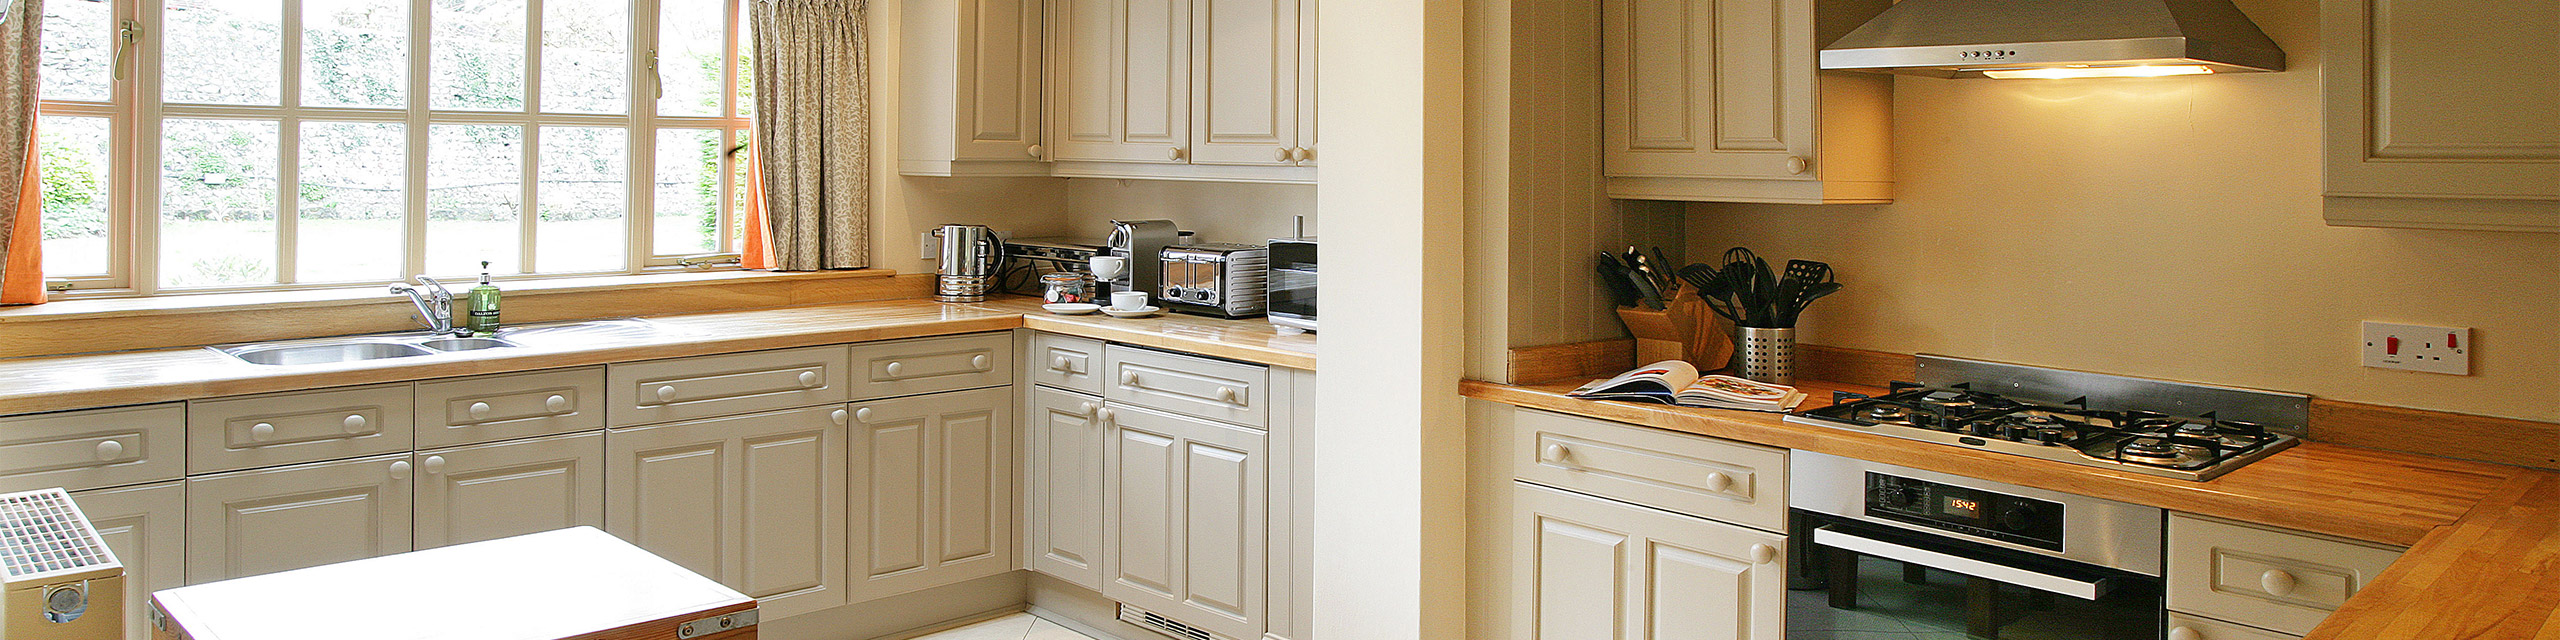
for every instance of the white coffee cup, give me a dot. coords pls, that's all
(1107, 268)
(1128, 300)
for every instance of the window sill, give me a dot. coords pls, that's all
(144, 306)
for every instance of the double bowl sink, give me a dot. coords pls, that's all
(410, 345)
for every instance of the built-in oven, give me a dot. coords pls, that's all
(1885, 549)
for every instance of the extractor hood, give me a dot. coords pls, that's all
(2056, 39)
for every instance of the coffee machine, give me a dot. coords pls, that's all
(1142, 242)
(971, 255)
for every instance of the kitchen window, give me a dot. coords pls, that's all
(223, 145)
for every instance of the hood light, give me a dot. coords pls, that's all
(2137, 71)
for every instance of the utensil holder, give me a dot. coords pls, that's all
(1765, 355)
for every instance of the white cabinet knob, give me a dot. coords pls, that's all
(979, 361)
(893, 368)
(836, 416)
(1034, 150)
(1230, 395)
(1176, 155)
(1060, 364)
(435, 465)
(1797, 164)
(1718, 481)
(2184, 633)
(109, 450)
(353, 423)
(2276, 582)
(862, 414)
(556, 403)
(481, 409)
(809, 379)
(1106, 414)
(1090, 408)
(399, 469)
(1763, 554)
(1556, 453)
(1306, 154)
(261, 431)
(1129, 377)
(667, 393)
(1288, 154)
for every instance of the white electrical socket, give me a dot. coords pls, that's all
(2414, 347)
(931, 249)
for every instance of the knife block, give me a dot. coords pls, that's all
(1684, 331)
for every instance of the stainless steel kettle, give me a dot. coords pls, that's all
(971, 254)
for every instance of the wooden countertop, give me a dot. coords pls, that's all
(2484, 557)
(54, 383)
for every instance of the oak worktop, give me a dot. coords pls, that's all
(2484, 556)
(54, 383)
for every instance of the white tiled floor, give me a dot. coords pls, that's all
(1020, 626)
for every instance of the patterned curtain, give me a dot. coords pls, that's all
(813, 132)
(21, 196)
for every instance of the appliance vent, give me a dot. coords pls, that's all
(42, 533)
(1164, 625)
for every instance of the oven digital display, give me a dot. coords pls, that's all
(1967, 508)
(1973, 512)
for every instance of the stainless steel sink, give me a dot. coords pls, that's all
(324, 353)
(466, 344)
(378, 347)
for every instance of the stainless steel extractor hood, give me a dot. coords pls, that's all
(2056, 38)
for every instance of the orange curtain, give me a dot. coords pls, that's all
(758, 254)
(22, 278)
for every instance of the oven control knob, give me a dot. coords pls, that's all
(2018, 517)
(1894, 497)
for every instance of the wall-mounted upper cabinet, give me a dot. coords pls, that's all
(969, 91)
(2426, 131)
(1723, 102)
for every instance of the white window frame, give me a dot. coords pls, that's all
(136, 110)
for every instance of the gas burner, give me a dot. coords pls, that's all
(1888, 413)
(2198, 430)
(2149, 451)
(1949, 399)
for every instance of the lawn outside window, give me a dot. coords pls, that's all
(227, 145)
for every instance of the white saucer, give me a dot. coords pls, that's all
(1071, 308)
(1140, 312)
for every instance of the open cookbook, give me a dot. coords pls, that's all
(1677, 382)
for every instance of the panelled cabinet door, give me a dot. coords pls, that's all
(248, 523)
(1246, 60)
(932, 494)
(755, 501)
(1063, 521)
(1120, 73)
(1587, 568)
(491, 491)
(146, 528)
(2416, 110)
(1708, 89)
(971, 104)
(1185, 507)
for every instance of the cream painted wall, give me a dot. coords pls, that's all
(1217, 211)
(2158, 227)
(903, 207)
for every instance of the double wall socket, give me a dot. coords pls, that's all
(2413, 347)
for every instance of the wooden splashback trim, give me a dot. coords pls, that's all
(2526, 443)
(136, 324)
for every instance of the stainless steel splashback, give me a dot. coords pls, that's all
(2281, 412)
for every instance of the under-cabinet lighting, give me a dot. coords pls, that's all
(2135, 71)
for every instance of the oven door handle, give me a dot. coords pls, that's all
(2083, 589)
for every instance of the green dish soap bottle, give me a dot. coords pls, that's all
(483, 305)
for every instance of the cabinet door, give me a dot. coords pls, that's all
(1246, 102)
(146, 527)
(999, 80)
(2430, 100)
(1063, 521)
(491, 491)
(755, 501)
(1185, 509)
(932, 493)
(1306, 83)
(249, 523)
(1120, 80)
(1708, 89)
(1596, 569)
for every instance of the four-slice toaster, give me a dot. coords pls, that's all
(1222, 279)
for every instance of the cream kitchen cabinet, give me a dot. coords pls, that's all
(2264, 577)
(1724, 102)
(932, 492)
(1185, 509)
(1062, 523)
(247, 523)
(756, 501)
(970, 92)
(1587, 568)
(491, 491)
(2440, 114)
(1121, 80)
(146, 527)
(78, 450)
(1181, 89)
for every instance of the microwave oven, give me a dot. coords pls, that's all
(1291, 303)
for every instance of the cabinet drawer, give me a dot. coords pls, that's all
(1066, 362)
(492, 408)
(2187, 627)
(1213, 389)
(2262, 577)
(286, 428)
(91, 449)
(910, 367)
(706, 386)
(1697, 475)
